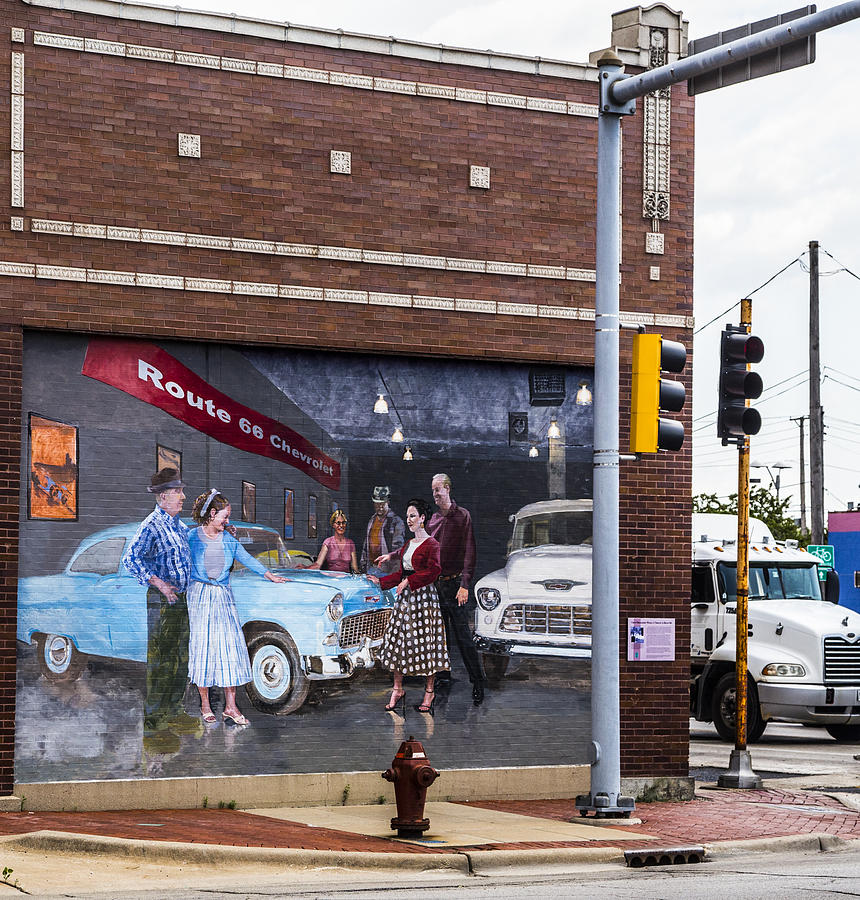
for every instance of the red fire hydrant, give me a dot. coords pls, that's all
(412, 774)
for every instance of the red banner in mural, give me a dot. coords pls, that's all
(149, 373)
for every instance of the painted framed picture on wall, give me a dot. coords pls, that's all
(288, 514)
(312, 515)
(164, 456)
(249, 502)
(53, 470)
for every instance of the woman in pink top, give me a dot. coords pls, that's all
(338, 551)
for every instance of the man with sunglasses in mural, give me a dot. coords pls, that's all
(451, 526)
(159, 558)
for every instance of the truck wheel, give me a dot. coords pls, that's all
(724, 710)
(278, 684)
(494, 666)
(59, 659)
(845, 734)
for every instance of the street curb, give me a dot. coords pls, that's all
(815, 841)
(485, 862)
(477, 862)
(175, 852)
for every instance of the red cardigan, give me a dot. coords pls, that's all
(425, 562)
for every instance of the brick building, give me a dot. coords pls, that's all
(287, 213)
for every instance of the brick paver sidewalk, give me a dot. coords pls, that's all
(713, 816)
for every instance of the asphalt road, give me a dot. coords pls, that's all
(787, 753)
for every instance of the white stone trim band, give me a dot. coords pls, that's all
(16, 129)
(333, 295)
(322, 76)
(314, 251)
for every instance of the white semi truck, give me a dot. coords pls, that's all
(803, 649)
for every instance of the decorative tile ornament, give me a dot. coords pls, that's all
(102, 276)
(17, 173)
(17, 130)
(655, 273)
(17, 73)
(654, 242)
(479, 177)
(16, 223)
(340, 162)
(62, 41)
(656, 139)
(18, 35)
(189, 145)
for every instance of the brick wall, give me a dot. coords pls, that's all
(100, 149)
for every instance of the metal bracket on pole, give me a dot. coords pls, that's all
(607, 78)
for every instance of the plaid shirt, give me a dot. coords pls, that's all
(160, 548)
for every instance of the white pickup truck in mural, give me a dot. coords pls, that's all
(539, 604)
(803, 650)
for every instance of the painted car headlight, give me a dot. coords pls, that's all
(785, 670)
(335, 607)
(489, 598)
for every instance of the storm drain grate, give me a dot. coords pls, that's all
(663, 856)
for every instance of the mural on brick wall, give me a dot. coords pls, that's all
(244, 561)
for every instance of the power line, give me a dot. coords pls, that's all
(766, 283)
(843, 268)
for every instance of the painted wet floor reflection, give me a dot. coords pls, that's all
(537, 714)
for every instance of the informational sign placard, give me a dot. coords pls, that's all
(826, 558)
(650, 639)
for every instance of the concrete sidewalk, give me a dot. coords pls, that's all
(465, 838)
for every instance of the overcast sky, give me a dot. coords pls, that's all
(773, 171)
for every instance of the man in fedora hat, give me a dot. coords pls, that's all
(386, 533)
(159, 557)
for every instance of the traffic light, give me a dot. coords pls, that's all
(738, 385)
(652, 394)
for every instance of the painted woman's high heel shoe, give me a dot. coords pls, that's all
(398, 698)
(425, 707)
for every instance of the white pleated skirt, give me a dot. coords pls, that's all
(217, 653)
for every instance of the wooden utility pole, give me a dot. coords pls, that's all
(740, 773)
(800, 421)
(816, 413)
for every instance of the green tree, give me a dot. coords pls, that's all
(763, 505)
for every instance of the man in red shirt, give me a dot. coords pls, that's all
(451, 526)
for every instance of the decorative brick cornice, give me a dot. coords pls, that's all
(464, 94)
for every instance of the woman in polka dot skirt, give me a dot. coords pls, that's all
(414, 642)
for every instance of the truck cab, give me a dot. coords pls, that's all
(803, 650)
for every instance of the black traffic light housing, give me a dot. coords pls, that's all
(735, 418)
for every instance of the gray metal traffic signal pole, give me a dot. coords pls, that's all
(618, 94)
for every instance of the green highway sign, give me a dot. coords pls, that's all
(826, 558)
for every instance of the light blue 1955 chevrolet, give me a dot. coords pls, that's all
(318, 625)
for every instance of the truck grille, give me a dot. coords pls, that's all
(539, 618)
(841, 661)
(354, 629)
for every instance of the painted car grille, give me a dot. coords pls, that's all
(354, 629)
(841, 661)
(540, 618)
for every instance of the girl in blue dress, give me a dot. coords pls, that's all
(217, 653)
